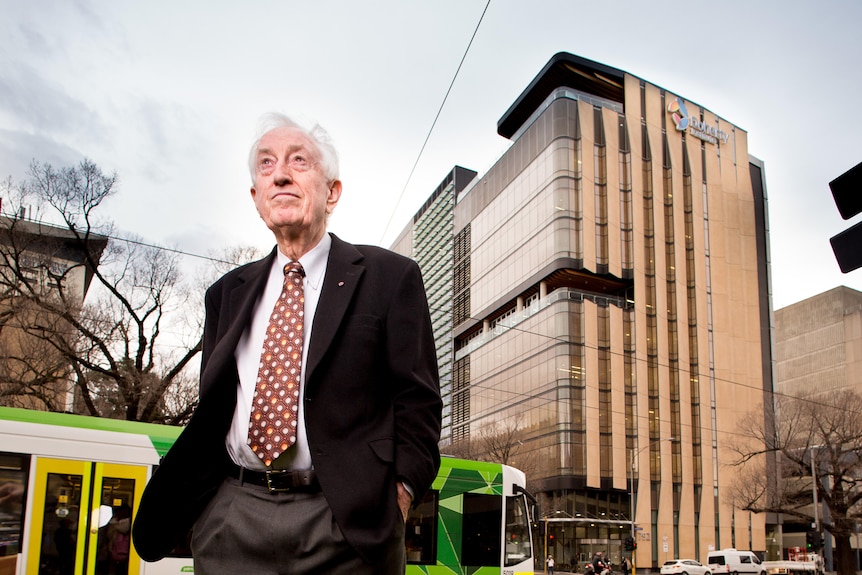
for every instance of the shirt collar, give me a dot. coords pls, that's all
(314, 262)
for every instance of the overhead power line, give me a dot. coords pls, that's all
(123, 239)
(172, 250)
(433, 124)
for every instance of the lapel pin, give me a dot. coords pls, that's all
(340, 284)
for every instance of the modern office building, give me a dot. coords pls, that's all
(610, 298)
(428, 240)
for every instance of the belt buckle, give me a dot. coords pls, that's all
(273, 474)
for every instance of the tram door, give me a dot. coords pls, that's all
(81, 520)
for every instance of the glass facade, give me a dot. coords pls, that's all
(431, 247)
(605, 313)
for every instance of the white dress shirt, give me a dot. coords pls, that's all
(248, 352)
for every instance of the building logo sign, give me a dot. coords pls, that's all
(701, 130)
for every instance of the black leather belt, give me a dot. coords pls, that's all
(278, 481)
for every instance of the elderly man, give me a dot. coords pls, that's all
(319, 409)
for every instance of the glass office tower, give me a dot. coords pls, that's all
(610, 312)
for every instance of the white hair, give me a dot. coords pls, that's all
(319, 137)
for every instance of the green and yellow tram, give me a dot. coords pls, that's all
(70, 485)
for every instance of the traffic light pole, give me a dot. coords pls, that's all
(632, 504)
(814, 490)
(545, 556)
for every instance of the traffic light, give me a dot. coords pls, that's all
(630, 544)
(550, 539)
(847, 193)
(813, 540)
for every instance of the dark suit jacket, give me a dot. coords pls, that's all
(372, 399)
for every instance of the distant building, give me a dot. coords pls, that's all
(818, 344)
(818, 350)
(610, 303)
(37, 258)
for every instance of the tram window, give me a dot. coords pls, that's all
(420, 536)
(62, 514)
(114, 537)
(481, 538)
(14, 469)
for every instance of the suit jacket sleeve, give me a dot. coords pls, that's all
(416, 391)
(192, 470)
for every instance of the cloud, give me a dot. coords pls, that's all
(31, 104)
(18, 149)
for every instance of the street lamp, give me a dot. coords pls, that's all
(635, 454)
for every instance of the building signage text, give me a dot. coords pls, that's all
(697, 128)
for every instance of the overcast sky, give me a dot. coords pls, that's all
(167, 94)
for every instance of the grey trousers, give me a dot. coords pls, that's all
(247, 530)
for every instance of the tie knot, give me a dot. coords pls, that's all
(294, 268)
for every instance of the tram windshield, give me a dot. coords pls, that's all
(517, 531)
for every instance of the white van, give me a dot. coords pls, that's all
(734, 562)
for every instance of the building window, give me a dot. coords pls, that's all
(461, 400)
(626, 209)
(604, 387)
(600, 168)
(461, 277)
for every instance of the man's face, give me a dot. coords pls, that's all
(290, 192)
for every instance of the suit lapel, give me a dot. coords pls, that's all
(241, 298)
(343, 272)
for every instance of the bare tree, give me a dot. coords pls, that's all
(500, 442)
(464, 448)
(114, 348)
(818, 433)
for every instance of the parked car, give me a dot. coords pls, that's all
(735, 562)
(684, 567)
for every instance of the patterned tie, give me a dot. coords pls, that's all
(272, 427)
